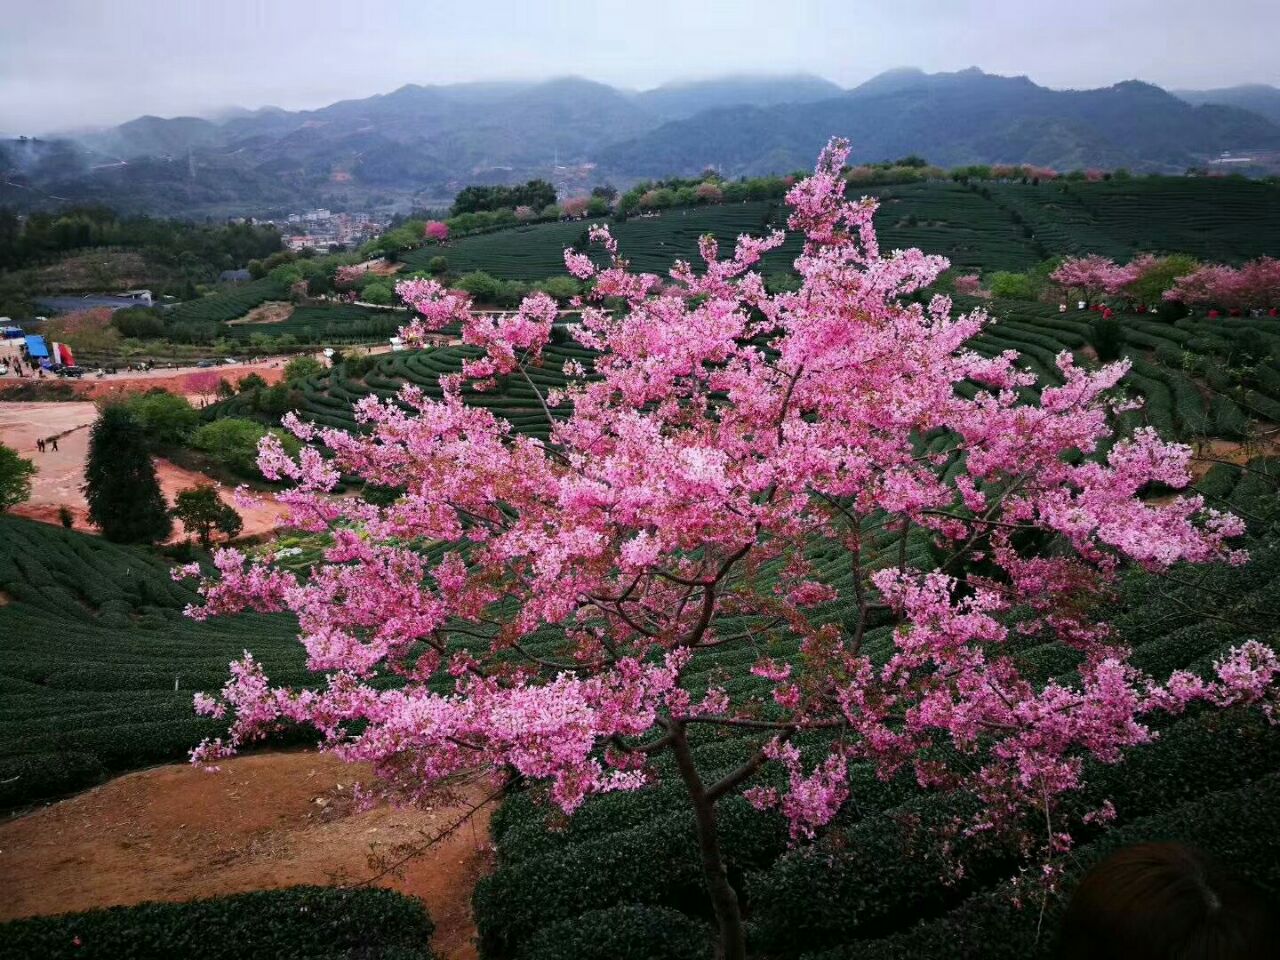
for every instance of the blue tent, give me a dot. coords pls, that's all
(10, 333)
(36, 347)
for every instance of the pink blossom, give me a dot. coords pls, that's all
(723, 435)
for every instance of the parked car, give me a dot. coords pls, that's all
(4, 369)
(71, 371)
(207, 363)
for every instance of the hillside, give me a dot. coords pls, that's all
(954, 119)
(992, 226)
(421, 144)
(1260, 98)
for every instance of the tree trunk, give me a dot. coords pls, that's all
(724, 899)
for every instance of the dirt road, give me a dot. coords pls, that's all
(60, 472)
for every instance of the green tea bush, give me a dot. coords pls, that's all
(296, 923)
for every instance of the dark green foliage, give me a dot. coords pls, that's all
(92, 645)
(626, 932)
(201, 510)
(1239, 826)
(120, 481)
(1107, 337)
(15, 478)
(535, 193)
(296, 923)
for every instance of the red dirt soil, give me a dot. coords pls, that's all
(60, 473)
(264, 821)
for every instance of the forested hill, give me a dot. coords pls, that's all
(419, 144)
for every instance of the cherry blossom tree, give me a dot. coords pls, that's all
(575, 207)
(525, 213)
(671, 520)
(202, 383)
(970, 285)
(1093, 276)
(708, 192)
(436, 230)
(344, 278)
(1255, 285)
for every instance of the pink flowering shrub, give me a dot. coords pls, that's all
(575, 207)
(525, 213)
(345, 278)
(1255, 285)
(708, 192)
(436, 230)
(1094, 276)
(970, 285)
(680, 498)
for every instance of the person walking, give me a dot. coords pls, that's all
(40, 444)
(54, 441)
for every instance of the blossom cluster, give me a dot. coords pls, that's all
(724, 431)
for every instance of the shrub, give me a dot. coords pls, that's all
(289, 924)
(299, 368)
(165, 417)
(1107, 337)
(15, 478)
(631, 931)
(1012, 286)
(234, 443)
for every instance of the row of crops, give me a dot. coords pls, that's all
(622, 878)
(1199, 378)
(328, 323)
(228, 303)
(97, 663)
(995, 226)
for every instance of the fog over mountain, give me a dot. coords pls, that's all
(421, 143)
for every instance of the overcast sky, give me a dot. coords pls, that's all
(67, 63)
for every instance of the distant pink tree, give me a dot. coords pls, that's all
(1094, 175)
(1093, 276)
(344, 278)
(575, 207)
(708, 192)
(202, 383)
(299, 289)
(436, 230)
(969, 285)
(524, 213)
(1255, 285)
(671, 515)
(1042, 173)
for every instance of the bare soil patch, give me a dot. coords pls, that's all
(273, 311)
(265, 821)
(60, 473)
(1208, 453)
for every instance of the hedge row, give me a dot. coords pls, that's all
(296, 923)
(1240, 827)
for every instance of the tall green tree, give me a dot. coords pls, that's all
(15, 478)
(120, 481)
(201, 510)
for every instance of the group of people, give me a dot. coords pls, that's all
(22, 367)
(44, 446)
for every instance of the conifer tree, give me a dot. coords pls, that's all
(120, 481)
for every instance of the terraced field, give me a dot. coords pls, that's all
(625, 868)
(97, 663)
(991, 226)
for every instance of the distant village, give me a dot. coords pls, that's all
(322, 229)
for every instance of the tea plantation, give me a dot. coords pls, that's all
(622, 879)
(992, 226)
(98, 665)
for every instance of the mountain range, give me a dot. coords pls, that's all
(419, 144)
